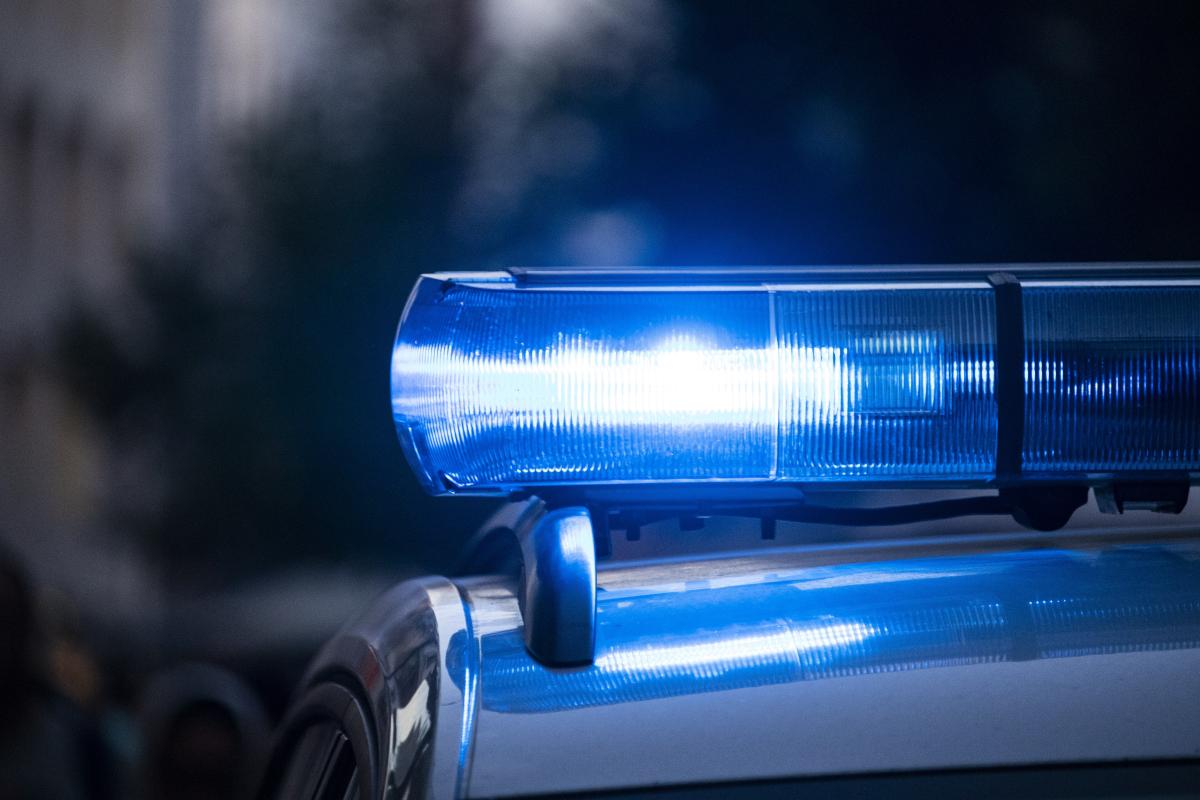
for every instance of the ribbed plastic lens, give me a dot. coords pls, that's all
(498, 386)
(886, 382)
(503, 387)
(1112, 377)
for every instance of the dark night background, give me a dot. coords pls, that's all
(229, 375)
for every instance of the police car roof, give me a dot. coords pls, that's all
(904, 656)
(901, 656)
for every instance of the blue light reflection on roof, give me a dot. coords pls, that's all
(861, 619)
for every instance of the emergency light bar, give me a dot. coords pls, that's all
(961, 376)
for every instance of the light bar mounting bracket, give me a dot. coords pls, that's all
(558, 587)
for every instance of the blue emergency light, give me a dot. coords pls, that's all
(623, 397)
(956, 376)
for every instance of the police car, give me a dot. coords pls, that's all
(818, 532)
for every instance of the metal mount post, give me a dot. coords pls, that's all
(558, 587)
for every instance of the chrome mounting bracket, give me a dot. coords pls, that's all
(558, 587)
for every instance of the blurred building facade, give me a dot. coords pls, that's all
(113, 114)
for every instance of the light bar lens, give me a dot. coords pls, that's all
(510, 387)
(498, 385)
(885, 382)
(1112, 377)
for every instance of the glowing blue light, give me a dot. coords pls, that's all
(680, 380)
(496, 386)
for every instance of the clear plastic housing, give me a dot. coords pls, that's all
(888, 381)
(502, 386)
(1112, 377)
(497, 385)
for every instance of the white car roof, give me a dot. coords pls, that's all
(790, 662)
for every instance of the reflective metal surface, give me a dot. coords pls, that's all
(1010, 657)
(789, 662)
(558, 587)
(397, 658)
(857, 619)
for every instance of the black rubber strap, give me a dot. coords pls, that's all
(1009, 375)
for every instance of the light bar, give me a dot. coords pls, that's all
(506, 381)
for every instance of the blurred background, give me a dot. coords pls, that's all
(211, 213)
